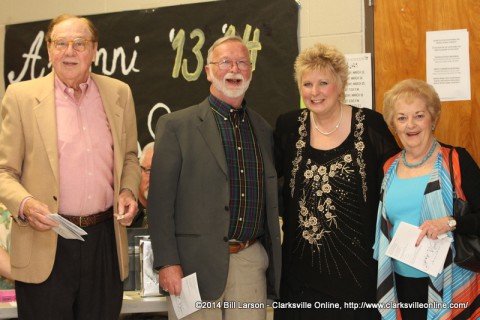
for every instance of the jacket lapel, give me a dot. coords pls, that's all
(45, 117)
(263, 138)
(114, 114)
(209, 131)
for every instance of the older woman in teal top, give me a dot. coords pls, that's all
(417, 189)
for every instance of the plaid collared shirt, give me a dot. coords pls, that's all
(245, 166)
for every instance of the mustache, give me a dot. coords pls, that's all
(233, 76)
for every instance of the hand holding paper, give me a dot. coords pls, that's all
(188, 300)
(67, 229)
(428, 257)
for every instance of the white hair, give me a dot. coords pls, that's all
(144, 151)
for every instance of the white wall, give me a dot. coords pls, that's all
(340, 22)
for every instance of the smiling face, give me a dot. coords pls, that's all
(320, 91)
(229, 85)
(413, 123)
(72, 67)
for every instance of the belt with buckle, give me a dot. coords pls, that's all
(91, 220)
(237, 246)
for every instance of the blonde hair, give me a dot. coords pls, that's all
(409, 89)
(322, 57)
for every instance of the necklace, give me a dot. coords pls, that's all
(334, 129)
(418, 164)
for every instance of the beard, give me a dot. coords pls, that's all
(222, 85)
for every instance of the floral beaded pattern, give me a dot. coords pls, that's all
(319, 179)
(359, 146)
(329, 219)
(300, 146)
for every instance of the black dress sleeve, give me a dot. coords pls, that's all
(470, 174)
(384, 142)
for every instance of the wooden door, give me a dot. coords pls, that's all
(400, 28)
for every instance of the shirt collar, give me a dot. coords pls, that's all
(83, 86)
(224, 108)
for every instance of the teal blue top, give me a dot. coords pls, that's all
(403, 202)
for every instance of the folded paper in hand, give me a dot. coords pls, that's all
(428, 257)
(67, 229)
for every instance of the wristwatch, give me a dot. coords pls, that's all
(452, 223)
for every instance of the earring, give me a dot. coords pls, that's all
(433, 127)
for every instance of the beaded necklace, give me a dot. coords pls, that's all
(418, 164)
(334, 129)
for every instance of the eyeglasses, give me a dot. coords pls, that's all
(145, 170)
(78, 44)
(228, 64)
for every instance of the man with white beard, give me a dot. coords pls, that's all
(213, 207)
(140, 220)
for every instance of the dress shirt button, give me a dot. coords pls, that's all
(226, 208)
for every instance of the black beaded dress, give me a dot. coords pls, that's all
(330, 200)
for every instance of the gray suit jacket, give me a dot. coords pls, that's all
(189, 198)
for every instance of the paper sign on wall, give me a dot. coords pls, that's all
(448, 64)
(359, 86)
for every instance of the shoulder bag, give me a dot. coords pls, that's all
(467, 246)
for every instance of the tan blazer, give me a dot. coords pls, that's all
(29, 165)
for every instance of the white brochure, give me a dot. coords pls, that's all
(189, 299)
(428, 257)
(67, 229)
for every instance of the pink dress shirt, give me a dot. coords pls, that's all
(85, 151)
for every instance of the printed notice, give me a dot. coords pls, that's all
(358, 92)
(428, 257)
(448, 64)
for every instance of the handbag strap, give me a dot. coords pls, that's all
(452, 178)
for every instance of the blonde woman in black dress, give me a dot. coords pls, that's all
(330, 156)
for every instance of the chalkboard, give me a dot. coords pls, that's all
(161, 54)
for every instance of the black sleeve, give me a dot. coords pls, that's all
(470, 174)
(279, 145)
(384, 142)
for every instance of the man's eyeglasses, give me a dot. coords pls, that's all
(228, 64)
(145, 170)
(78, 44)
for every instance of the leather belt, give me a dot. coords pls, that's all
(91, 220)
(237, 246)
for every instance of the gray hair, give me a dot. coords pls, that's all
(223, 40)
(144, 151)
